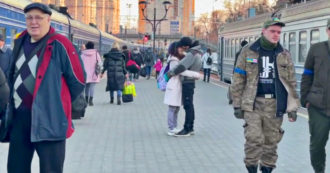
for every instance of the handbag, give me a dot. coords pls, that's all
(129, 88)
(97, 66)
(143, 72)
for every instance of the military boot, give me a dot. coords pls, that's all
(86, 98)
(91, 101)
(118, 100)
(111, 100)
(266, 169)
(252, 169)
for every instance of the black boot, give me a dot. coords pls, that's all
(118, 100)
(91, 101)
(111, 100)
(252, 169)
(86, 98)
(266, 169)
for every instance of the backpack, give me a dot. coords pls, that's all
(209, 61)
(161, 81)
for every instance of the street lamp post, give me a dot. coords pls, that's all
(154, 22)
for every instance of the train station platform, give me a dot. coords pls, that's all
(132, 138)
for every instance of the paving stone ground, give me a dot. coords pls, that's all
(131, 138)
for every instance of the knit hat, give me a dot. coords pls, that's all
(184, 41)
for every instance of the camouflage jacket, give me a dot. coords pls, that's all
(246, 77)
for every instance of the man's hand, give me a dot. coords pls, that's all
(239, 113)
(101, 76)
(198, 77)
(307, 105)
(292, 116)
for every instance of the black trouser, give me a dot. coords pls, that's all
(188, 105)
(207, 72)
(319, 127)
(51, 153)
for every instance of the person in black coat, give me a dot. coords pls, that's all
(114, 64)
(4, 92)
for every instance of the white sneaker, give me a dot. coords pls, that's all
(170, 133)
(176, 130)
(173, 131)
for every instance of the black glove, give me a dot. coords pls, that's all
(239, 113)
(292, 115)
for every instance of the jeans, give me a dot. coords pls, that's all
(172, 116)
(148, 68)
(112, 93)
(207, 73)
(188, 105)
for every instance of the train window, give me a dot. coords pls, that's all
(229, 49)
(226, 48)
(233, 48)
(3, 31)
(302, 46)
(292, 45)
(284, 41)
(237, 46)
(13, 33)
(315, 36)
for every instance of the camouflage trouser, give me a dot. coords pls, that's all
(262, 132)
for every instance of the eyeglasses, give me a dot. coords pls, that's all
(37, 18)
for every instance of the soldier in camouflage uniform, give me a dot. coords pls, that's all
(263, 90)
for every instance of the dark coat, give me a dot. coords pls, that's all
(315, 81)
(5, 60)
(114, 64)
(137, 57)
(127, 55)
(4, 91)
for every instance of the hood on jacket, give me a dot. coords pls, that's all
(196, 49)
(115, 54)
(89, 52)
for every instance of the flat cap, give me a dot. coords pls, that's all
(272, 22)
(36, 5)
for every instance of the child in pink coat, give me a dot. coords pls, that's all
(158, 66)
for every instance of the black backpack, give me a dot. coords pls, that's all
(209, 61)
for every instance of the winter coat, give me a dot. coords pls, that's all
(148, 58)
(90, 57)
(127, 55)
(246, 77)
(114, 64)
(158, 66)
(60, 78)
(4, 91)
(5, 59)
(204, 60)
(173, 92)
(137, 57)
(315, 83)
